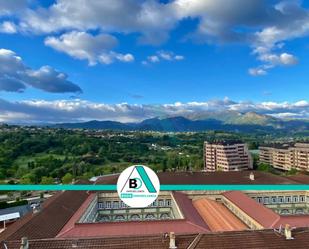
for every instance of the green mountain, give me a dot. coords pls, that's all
(227, 121)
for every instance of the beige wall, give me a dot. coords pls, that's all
(233, 157)
(286, 159)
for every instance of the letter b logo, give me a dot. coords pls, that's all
(133, 183)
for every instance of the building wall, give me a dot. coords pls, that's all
(251, 223)
(110, 208)
(284, 202)
(219, 157)
(91, 212)
(288, 158)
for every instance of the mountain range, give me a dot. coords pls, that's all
(226, 121)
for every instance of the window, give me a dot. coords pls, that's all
(288, 199)
(302, 198)
(273, 199)
(119, 218)
(266, 200)
(259, 199)
(161, 203)
(108, 204)
(154, 204)
(135, 217)
(101, 205)
(168, 202)
(299, 211)
(285, 212)
(295, 198)
(280, 199)
(150, 217)
(116, 204)
(104, 218)
(164, 216)
(122, 204)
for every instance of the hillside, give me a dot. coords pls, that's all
(247, 122)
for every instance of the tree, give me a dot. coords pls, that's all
(265, 167)
(67, 178)
(27, 179)
(47, 180)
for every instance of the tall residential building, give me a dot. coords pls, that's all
(286, 156)
(227, 156)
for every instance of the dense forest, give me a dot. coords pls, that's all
(44, 155)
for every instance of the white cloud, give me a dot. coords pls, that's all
(258, 23)
(9, 7)
(8, 27)
(153, 58)
(150, 18)
(94, 48)
(111, 57)
(82, 110)
(163, 56)
(179, 57)
(15, 76)
(261, 24)
(257, 71)
(287, 59)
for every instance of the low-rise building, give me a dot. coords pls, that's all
(227, 156)
(286, 156)
(198, 219)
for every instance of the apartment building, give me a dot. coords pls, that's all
(227, 156)
(286, 156)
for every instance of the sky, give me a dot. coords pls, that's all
(128, 60)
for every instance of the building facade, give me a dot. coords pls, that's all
(227, 156)
(286, 157)
(107, 207)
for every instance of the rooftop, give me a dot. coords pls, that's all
(48, 222)
(217, 216)
(286, 145)
(266, 239)
(278, 145)
(263, 215)
(225, 142)
(196, 178)
(192, 223)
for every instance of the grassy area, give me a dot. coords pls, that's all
(23, 161)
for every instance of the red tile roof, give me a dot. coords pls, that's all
(77, 215)
(47, 223)
(293, 221)
(217, 216)
(132, 228)
(261, 239)
(188, 210)
(193, 223)
(132, 242)
(263, 215)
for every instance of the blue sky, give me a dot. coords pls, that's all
(150, 55)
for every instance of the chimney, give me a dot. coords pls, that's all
(288, 232)
(74, 243)
(251, 176)
(24, 243)
(172, 241)
(36, 209)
